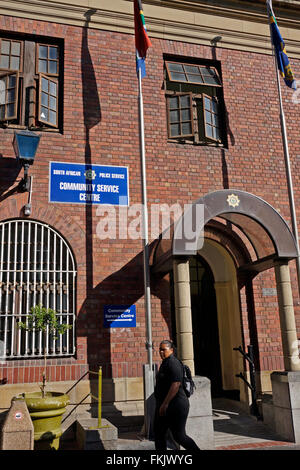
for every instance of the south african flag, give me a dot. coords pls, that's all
(142, 41)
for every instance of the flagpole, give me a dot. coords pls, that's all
(147, 293)
(287, 165)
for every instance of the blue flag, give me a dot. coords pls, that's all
(282, 59)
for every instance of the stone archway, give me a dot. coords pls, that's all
(272, 244)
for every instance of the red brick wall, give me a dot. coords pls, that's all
(106, 132)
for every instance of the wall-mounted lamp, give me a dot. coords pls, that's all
(25, 145)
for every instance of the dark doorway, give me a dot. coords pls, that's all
(205, 324)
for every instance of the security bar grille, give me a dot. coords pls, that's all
(36, 267)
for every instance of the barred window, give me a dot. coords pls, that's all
(36, 267)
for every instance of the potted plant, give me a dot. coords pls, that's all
(45, 408)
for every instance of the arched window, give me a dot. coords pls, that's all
(36, 267)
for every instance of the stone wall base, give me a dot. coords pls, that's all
(90, 437)
(200, 420)
(282, 412)
(125, 389)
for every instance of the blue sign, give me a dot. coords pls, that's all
(74, 183)
(119, 316)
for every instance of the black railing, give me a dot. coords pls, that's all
(252, 385)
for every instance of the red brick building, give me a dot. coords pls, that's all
(211, 125)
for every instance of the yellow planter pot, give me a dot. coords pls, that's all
(46, 414)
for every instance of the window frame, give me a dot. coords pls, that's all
(16, 102)
(37, 58)
(211, 99)
(21, 42)
(39, 105)
(27, 108)
(182, 136)
(170, 79)
(198, 92)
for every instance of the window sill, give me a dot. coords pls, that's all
(203, 144)
(31, 128)
(3, 125)
(45, 129)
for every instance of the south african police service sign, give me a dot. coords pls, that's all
(75, 183)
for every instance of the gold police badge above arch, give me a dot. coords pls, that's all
(233, 200)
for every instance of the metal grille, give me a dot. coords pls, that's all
(36, 267)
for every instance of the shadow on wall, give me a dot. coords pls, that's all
(227, 127)
(126, 287)
(91, 102)
(9, 170)
(123, 287)
(92, 117)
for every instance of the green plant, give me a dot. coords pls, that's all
(44, 320)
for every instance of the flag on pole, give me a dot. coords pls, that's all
(142, 41)
(282, 59)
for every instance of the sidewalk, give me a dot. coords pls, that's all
(233, 430)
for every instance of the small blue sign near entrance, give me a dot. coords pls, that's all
(74, 183)
(119, 316)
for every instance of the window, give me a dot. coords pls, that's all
(30, 84)
(211, 118)
(192, 74)
(48, 101)
(10, 54)
(8, 96)
(180, 115)
(36, 267)
(194, 103)
(48, 59)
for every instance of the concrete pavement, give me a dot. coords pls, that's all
(234, 429)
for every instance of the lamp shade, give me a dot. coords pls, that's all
(25, 144)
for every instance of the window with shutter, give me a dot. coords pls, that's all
(195, 104)
(30, 84)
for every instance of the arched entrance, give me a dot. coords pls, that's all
(239, 236)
